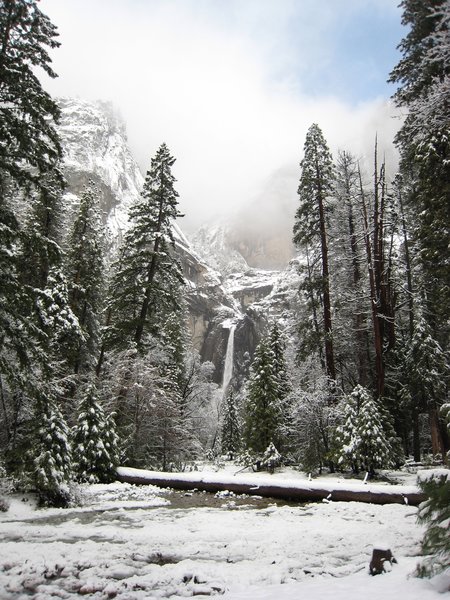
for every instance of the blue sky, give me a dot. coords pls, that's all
(232, 85)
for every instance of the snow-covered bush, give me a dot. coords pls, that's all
(312, 421)
(271, 458)
(435, 514)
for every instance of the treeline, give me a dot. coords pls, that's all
(367, 348)
(96, 367)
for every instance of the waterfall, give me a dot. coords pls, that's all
(228, 367)
(219, 396)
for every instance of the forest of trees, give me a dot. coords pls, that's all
(96, 365)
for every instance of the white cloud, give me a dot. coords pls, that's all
(216, 84)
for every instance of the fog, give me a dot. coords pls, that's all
(232, 87)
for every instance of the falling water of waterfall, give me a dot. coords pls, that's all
(229, 355)
(220, 394)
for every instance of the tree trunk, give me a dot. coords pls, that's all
(416, 436)
(378, 345)
(328, 329)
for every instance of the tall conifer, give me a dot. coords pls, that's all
(310, 233)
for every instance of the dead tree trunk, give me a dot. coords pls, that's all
(303, 492)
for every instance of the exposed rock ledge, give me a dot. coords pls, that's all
(287, 489)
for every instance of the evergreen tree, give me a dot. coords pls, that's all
(147, 278)
(310, 234)
(426, 372)
(435, 514)
(58, 323)
(29, 146)
(230, 431)
(85, 272)
(347, 440)
(278, 347)
(29, 156)
(362, 440)
(424, 77)
(51, 453)
(41, 238)
(262, 418)
(94, 442)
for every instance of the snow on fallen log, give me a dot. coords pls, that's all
(286, 489)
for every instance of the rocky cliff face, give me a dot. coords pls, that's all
(95, 147)
(222, 287)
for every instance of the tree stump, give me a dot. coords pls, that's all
(379, 557)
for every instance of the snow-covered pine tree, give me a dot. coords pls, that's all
(277, 345)
(94, 441)
(30, 145)
(29, 155)
(346, 439)
(310, 234)
(85, 273)
(361, 440)
(148, 275)
(423, 75)
(50, 453)
(262, 409)
(58, 322)
(427, 371)
(174, 340)
(230, 431)
(42, 234)
(435, 514)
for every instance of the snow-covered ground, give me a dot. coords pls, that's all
(135, 543)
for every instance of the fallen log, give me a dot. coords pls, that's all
(296, 490)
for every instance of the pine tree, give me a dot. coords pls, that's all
(29, 156)
(435, 514)
(51, 454)
(85, 272)
(262, 418)
(362, 440)
(426, 372)
(29, 146)
(94, 442)
(230, 430)
(347, 440)
(424, 77)
(310, 233)
(147, 278)
(278, 348)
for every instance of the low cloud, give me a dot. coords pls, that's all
(218, 86)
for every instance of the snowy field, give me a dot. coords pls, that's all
(135, 543)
